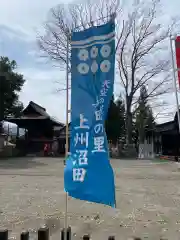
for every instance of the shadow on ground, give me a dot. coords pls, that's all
(20, 163)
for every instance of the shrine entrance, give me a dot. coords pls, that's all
(39, 129)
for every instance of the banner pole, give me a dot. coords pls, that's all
(175, 87)
(67, 129)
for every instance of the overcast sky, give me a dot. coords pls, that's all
(19, 21)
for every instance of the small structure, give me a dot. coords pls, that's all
(164, 139)
(39, 129)
(167, 138)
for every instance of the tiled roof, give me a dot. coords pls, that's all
(42, 114)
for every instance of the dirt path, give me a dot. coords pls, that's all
(148, 200)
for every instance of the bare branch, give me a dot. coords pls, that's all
(142, 53)
(141, 44)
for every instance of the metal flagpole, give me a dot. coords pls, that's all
(174, 76)
(67, 128)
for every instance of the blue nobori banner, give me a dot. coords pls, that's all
(88, 173)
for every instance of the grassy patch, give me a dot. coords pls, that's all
(160, 160)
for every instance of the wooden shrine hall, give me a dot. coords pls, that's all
(167, 138)
(39, 129)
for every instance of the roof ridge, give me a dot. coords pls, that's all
(37, 105)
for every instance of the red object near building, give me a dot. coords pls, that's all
(46, 149)
(177, 44)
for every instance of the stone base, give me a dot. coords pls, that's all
(146, 151)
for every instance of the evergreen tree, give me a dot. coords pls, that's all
(122, 113)
(11, 83)
(115, 122)
(144, 120)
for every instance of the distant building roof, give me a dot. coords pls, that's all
(34, 112)
(32, 106)
(164, 127)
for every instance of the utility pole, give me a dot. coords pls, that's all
(2, 91)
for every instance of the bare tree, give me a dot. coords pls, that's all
(72, 17)
(142, 56)
(141, 50)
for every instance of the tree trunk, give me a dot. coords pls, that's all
(142, 134)
(128, 121)
(130, 150)
(1, 127)
(128, 127)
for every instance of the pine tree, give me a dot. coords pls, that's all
(122, 113)
(144, 120)
(115, 122)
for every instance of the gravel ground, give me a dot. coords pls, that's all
(147, 193)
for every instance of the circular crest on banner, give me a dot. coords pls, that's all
(94, 67)
(83, 54)
(105, 66)
(83, 68)
(94, 52)
(105, 50)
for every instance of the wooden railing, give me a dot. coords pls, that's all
(44, 234)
